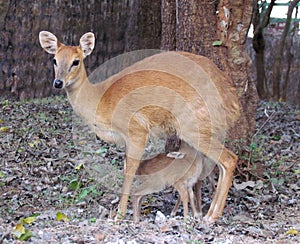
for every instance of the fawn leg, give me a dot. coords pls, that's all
(183, 192)
(211, 182)
(173, 213)
(198, 197)
(137, 200)
(192, 201)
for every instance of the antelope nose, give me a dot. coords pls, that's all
(58, 84)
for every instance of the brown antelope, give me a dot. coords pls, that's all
(182, 173)
(171, 92)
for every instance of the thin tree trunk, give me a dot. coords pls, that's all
(262, 88)
(279, 54)
(259, 48)
(289, 61)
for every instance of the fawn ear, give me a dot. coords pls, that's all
(49, 42)
(87, 43)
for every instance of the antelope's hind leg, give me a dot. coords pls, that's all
(227, 163)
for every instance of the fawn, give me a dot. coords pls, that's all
(171, 92)
(182, 173)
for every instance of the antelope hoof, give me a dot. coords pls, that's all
(209, 220)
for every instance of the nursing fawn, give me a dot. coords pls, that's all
(183, 173)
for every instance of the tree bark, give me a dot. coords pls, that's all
(194, 32)
(168, 28)
(233, 26)
(119, 26)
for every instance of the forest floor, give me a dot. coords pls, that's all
(60, 184)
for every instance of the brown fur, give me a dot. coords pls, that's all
(189, 93)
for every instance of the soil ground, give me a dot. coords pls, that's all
(55, 171)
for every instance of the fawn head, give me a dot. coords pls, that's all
(68, 60)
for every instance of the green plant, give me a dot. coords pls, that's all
(194, 242)
(274, 180)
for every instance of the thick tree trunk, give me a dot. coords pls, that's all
(234, 20)
(184, 29)
(119, 26)
(198, 26)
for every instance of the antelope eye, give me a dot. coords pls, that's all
(75, 63)
(54, 62)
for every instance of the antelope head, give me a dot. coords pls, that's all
(68, 60)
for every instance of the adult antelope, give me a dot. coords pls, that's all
(169, 93)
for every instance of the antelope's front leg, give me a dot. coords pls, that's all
(134, 151)
(131, 166)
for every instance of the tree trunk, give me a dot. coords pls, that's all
(191, 26)
(119, 26)
(289, 60)
(262, 87)
(237, 18)
(279, 54)
(168, 25)
(258, 42)
(198, 26)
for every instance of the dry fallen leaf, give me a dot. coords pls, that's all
(160, 217)
(243, 185)
(100, 236)
(165, 228)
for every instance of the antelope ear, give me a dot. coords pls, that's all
(49, 42)
(87, 43)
